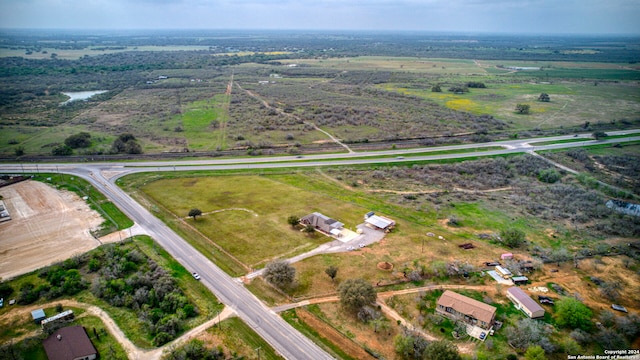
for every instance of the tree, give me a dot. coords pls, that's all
(195, 212)
(356, 293)
(549, 176)
(544, 97)
(19, 151)
(62, 150)
(293, 220)
(126, 143)
(526, 332)
(523, 108)
(436, 88)
(79, 140)
(309, 229)
(573, 314)
(599, 135)
(535, 353)
(441, 350)
(512, 237)
(280, 273)
(331, 271)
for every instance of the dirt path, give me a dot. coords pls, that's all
(279, 111)
(228, 209)
(133, 352)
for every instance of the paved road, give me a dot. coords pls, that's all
(284, 338)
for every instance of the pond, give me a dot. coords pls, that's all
(81, 95)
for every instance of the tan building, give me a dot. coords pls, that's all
(460, 307)
(524, 302)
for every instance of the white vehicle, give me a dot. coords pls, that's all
(361, 246)
(195, 275)
(350, 248)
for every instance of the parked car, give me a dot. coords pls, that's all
(195, 275)
(483, 335)
(361, 246)
(350, 248)
(545, 300)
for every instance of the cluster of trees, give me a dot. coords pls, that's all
(126, 278)
(79, 140)
(523, 108)
(61, 279)
(412, 346)
(126, 144)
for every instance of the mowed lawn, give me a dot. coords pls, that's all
(247, 215)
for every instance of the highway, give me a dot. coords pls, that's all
(280, 335)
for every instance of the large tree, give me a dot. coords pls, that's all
(195, 212)
(79, 140)
(331, 271)
(544, 97)
(572, 313)
(280, 273)
(512, 237)
(441, 350)
(356, 293)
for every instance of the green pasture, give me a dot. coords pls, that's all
(72, 54)
(408, 64)
(198, 123)
(247, 215)
(572, 103)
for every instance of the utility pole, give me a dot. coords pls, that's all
(258, 350)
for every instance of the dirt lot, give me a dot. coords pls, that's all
(47, 226)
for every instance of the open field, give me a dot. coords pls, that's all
(270, 108)
(47, 226)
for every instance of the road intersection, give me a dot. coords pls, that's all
(280, 335)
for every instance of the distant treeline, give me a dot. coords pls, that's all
(319, 43)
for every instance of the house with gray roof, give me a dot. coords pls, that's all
(323, 223)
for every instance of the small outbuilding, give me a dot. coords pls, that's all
(38, 315)
(506, 256)
(380, 222)
(520, 280)
(70, 343)
(524, 302)
(504, 273)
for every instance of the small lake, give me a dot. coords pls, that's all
(81, 95)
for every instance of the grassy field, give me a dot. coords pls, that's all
(238, 338)
(572, 103)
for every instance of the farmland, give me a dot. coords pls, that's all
(223, 95)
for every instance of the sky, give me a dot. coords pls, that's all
(482, 16)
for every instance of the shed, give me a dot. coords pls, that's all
(520, 280)
(38, 315)
(380, 222)
(504, 273)
(523, 302)
(506, 256)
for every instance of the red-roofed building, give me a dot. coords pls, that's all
(70, 343)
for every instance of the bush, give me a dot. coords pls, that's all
(80, 140)
(512, 238)
(62, 150)
(549, 176)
